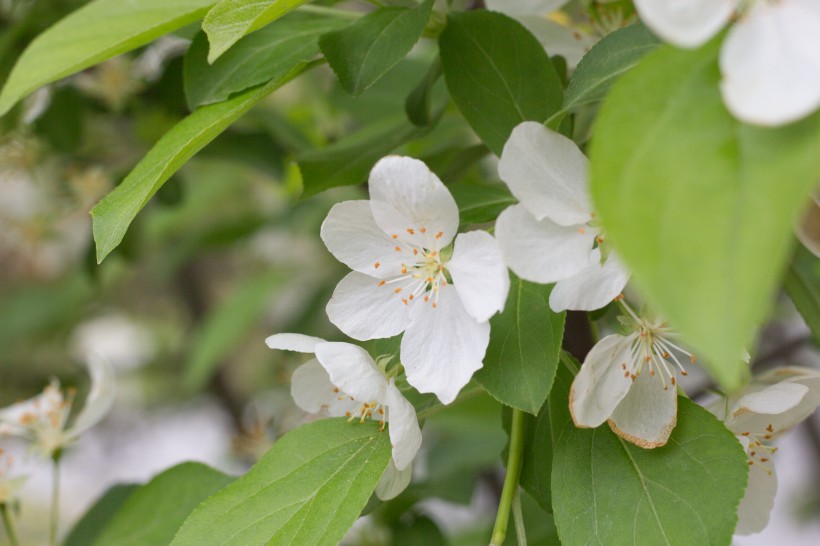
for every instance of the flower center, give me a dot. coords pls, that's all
(423, 273)
(759, 451)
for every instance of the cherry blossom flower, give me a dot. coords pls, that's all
(770, 60)
(406, 279)
(629, 381)
(42, 420)
(770, 405)
(551, 236)
(344, 381)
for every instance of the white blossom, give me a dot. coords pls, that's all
(630, 382)
(770, 405)
(406, 279)
(552, 235)
(43, 419)
(770, 59)
(344, 381)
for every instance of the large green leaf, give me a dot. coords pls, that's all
(114, 213)
(363, 52)
(229, 20)
(99, 515)
(497, 73)
(700, 206)
(525, 342)
(349, 160)
(97, 31)
(608, 491)
(265, 55)
(153, 513)
(479, 203)
(308, 489)
(802, 283)
(606, 62)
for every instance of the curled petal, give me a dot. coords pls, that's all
(753, 512)
(352, 370)
(770, 63)
(405, 434)
(794, 396)
(363, 309)
(100, 398)
(393, 481)
(408, 200)
(686, 23)
(350, 233)
(540, 250)
(591, 288)
(443, 346)
(479, 274)
(546, 172)
(293, 342)
(602, 382)
(312, 390)
(648, 413)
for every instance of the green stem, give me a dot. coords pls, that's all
(332, 12)
(510, 489)
(9, 523)
(55, 501)
(518, 518)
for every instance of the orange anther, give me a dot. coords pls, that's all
(397, 249)
(395, 235)
(415, 251)
(381, 283)
(376, 265)
(434, 305)
(404, 301)
(423, 230)
(439, 235)
(397, 290)
(410, 231)
(426, 298)
(581, 230)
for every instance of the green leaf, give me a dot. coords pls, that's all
(230, 20)
(349, 160)
(525, 342)
(308, 489)
(497, 73)
(363, 52)
(95, 32)
(608, 60)
(227, 325)
(418, 105)
(152, 514)
(479, 203)
(117, 210)
(700, 206)
(802, 284)
(99, 515)
(608, 491)
(265, 55)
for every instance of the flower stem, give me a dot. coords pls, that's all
(55, 500)
(518, 519)
(9, 523)
(510, 490)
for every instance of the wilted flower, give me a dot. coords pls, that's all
(344, 381)
(43, 419)
(406, 279)
(770, 60)
(552, 235)
(770, 405)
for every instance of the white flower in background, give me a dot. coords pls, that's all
(43, 419)
(123, 342)
(9, 486)
(344, 381)
(629, 381)
(404, 278)
(551, 236)
(770, 60)
(772, 404)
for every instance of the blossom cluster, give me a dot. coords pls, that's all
(413, 274)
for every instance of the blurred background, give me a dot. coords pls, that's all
(224, 255)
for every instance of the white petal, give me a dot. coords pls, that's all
(648, 413)
(16, 416)
(479, 274)
(312, 391)
(540, 250)
(591, 288)
(546, 172)
(405, 197)
(754, 509)
(100, 398)
(600, 384)
(524, 7)
(350, 233)
(686, 23)
(293, 342)
(770, 63)
(393, 481)
(403, 425)
(364, 310)
(443, 346)
(352, 370)
(774, 399)
(795, 408)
